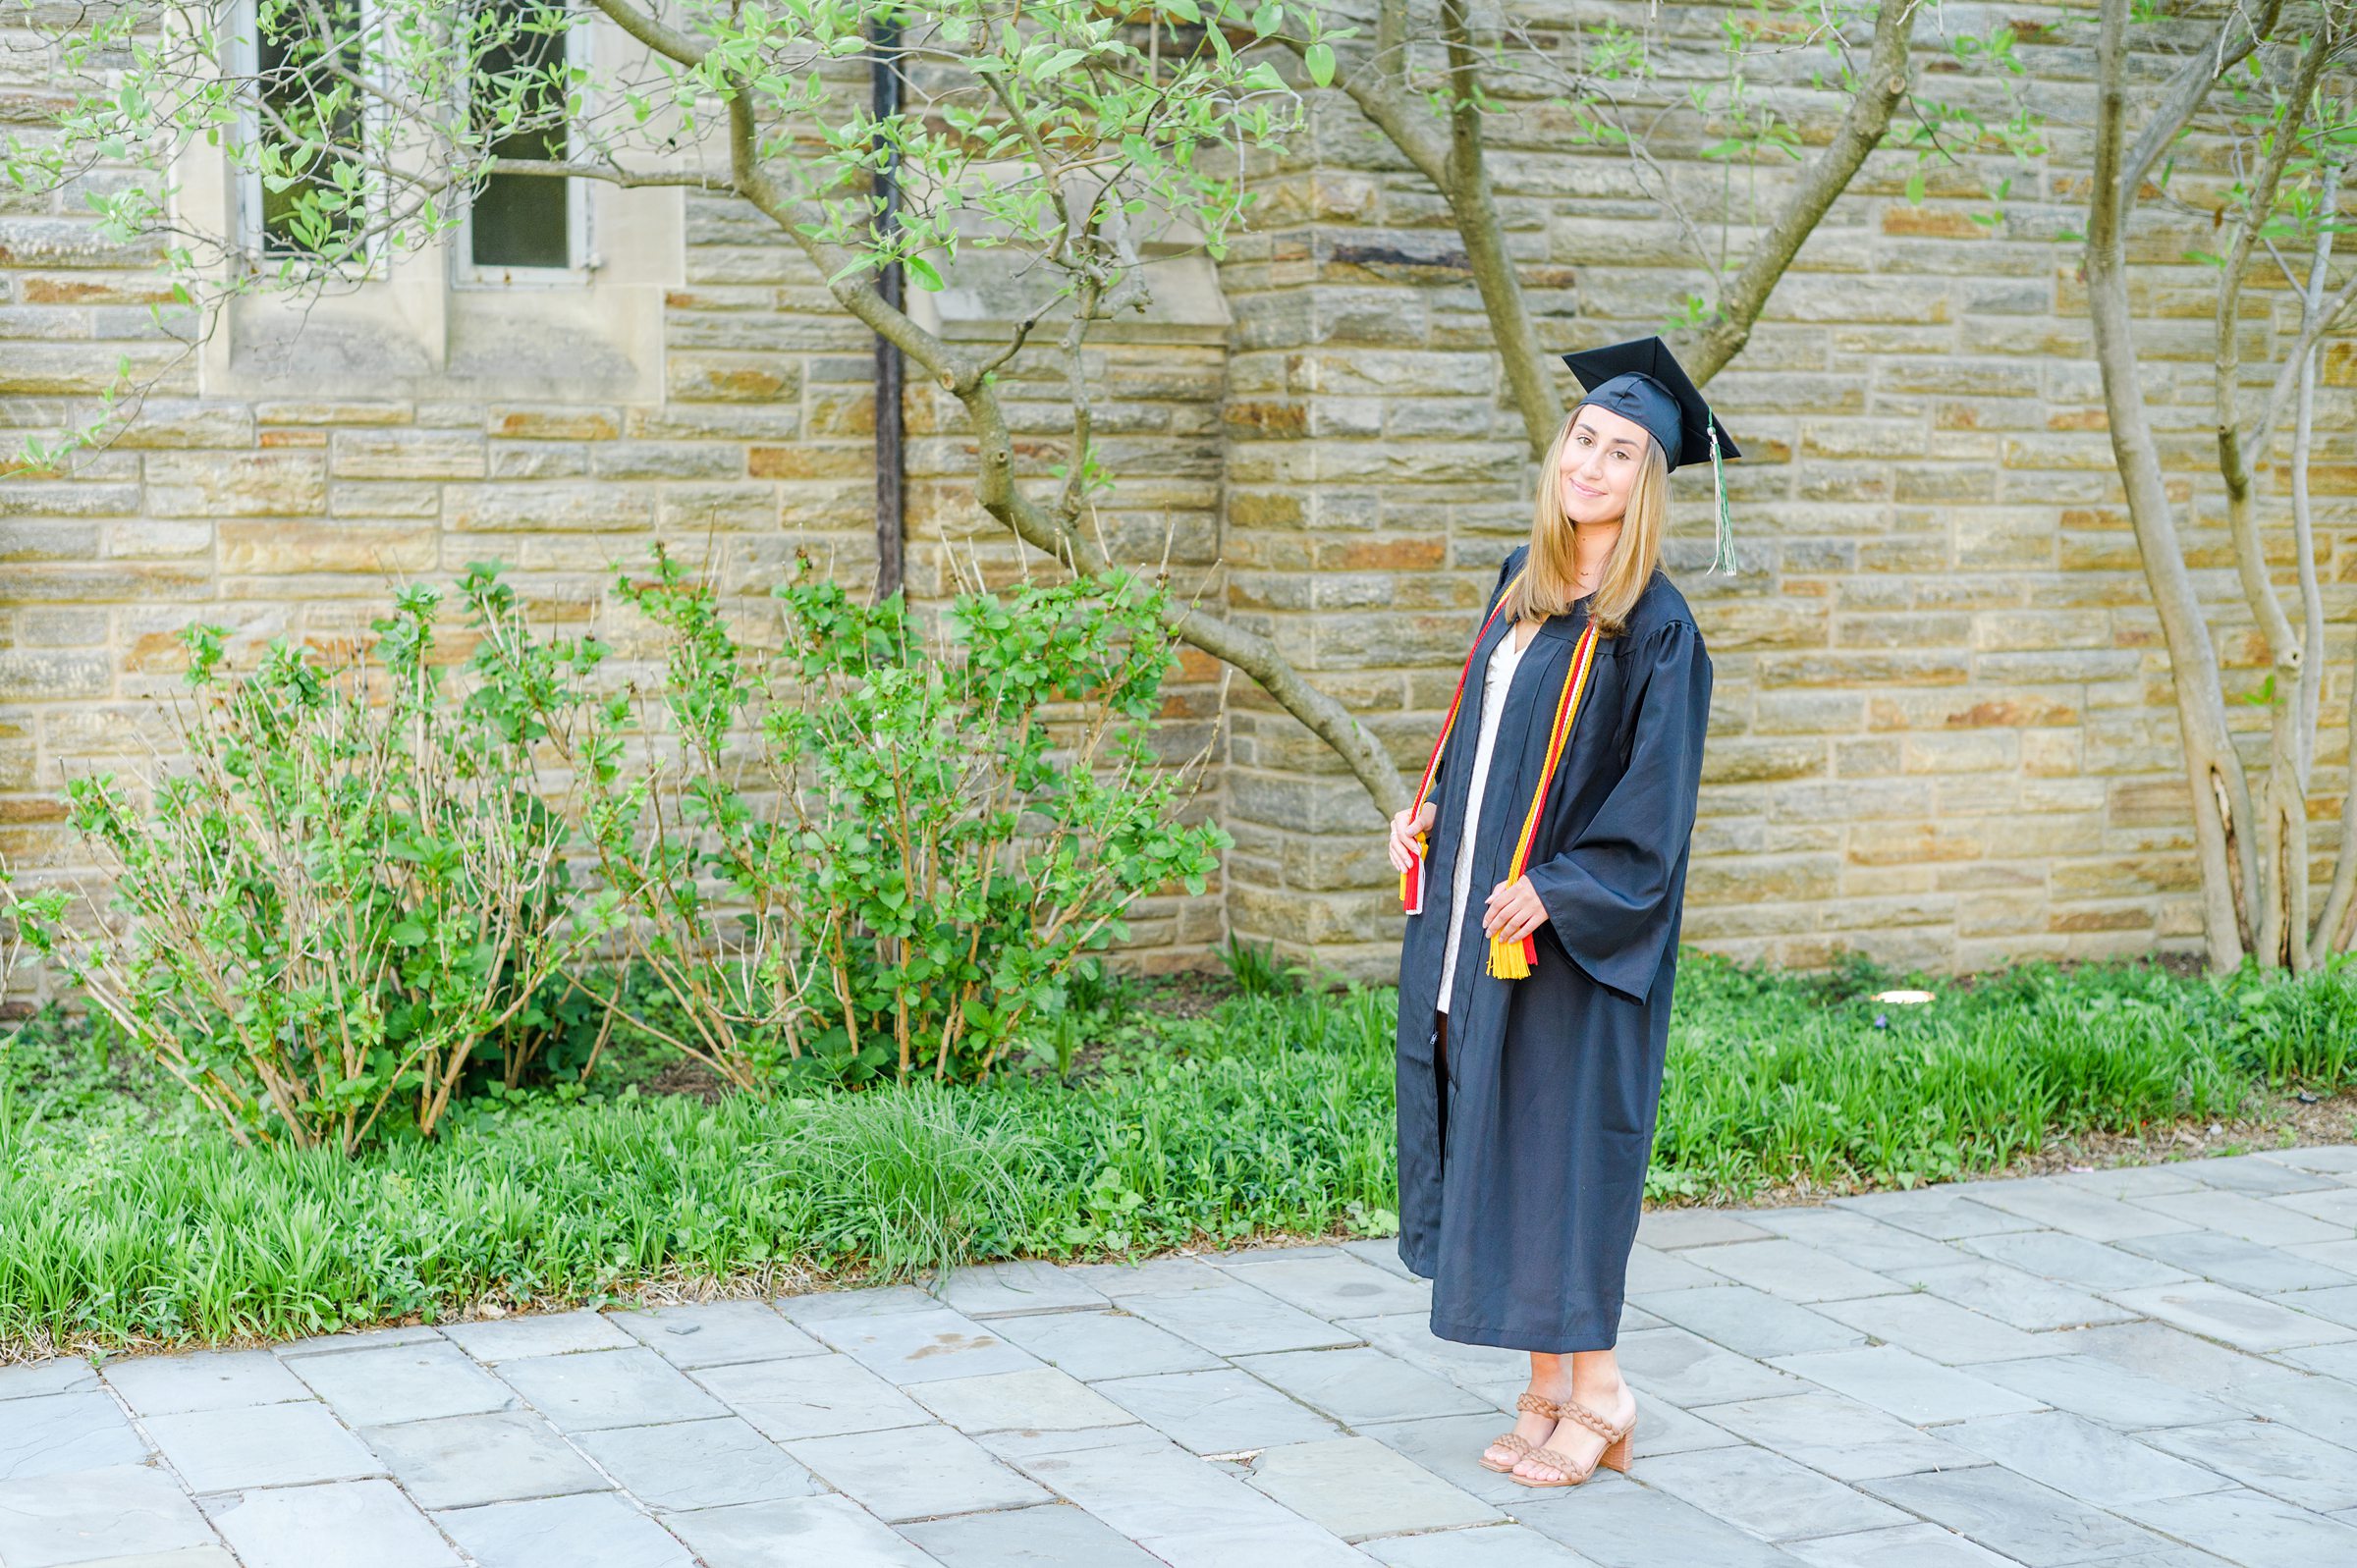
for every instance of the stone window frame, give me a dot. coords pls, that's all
(580, 239)
(414, 328)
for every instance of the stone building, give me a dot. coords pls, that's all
(1941, 732)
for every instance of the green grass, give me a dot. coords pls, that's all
(125, 1220)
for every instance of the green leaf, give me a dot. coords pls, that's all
(1319, 58)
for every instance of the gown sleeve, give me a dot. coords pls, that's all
(1607, 895)
(1450, 752)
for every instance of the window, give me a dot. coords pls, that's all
(525, 227)
(307, 190)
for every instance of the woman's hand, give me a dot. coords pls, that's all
(1404, 829)
(1513, 911)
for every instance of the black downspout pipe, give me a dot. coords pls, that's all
(884, 79)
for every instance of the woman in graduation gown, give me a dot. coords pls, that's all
(1545, 860)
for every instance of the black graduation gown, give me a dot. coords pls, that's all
(1522, 1208)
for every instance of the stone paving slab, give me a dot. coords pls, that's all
(2144, 1368)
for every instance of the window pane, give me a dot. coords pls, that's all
(523, 220)
(313, 190)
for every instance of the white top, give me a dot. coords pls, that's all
(1496, 676)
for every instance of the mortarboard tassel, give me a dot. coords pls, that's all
(1723, 554)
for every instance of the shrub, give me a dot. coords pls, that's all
(887, 851)
(350, 879)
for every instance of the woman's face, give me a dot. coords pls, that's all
(1601, 459)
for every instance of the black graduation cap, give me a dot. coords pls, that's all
(1642, 380)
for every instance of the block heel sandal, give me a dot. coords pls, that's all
(1614, 1457)
(1513, 1441)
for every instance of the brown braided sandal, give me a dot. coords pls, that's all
(1614, 1457)
(1514, 1442)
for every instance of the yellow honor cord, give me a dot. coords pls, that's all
(1511, 960)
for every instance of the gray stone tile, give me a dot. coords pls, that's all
(2249, 1323)
(2094, 1216)
(2072, 1454)
(358, 1339)
(696, 1464)
(53, 1435)
(990, 1290)
(2105, 1392)
(1358, 1489)
(1409, 1337)
(2088, 1264)
(1055, 1536)
(825, 1532)
(402, 1383)
(2234, 1215)
(2332, 1361)
(2334, 1158)
(811, 1396)
(916, 1473)
(203, 1379)
(1651, 1270)
(265, 1445)
(1855, 1239)
(2241, 1265)
(1222, 1411)
(352, 1524)
(1361, 1384)
(463, 1461)
(1765, 1493)
(2269, 1456)
(826, 1305)
(1151, 1276)
(1688, 1372)
(1449, 1448)
(1045, 1399)
(1091, 1345)
(2256, 1531)
(2015, 1296)
(1483, 1547)
(714, 1333)
(1943, 1213)
(60, 1375)
(1332, 1287)
(1383, 1252)
(184, 1557)
(1751, 1322)
(2334, 1304)
(1937, 1328)
(1917, 1545)
(1907, 1386)
(1847, 1438)
(2337, 1207)
(632, 1387)
(596, 1530)
(922, 1346)
(2173, 1357)
(2014, 1516)
(1182, 1511)
(1616, 1524)
(1670, 1229)
(2132, 1181)
(553, 1333)
(2254, 1174)
(1784, 1267)
(1236, 1320)
(50, 1521)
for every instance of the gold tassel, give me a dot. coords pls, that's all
(1507, 961)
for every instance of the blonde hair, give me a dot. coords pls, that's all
(1552, 572)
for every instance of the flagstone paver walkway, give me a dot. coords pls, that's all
(2145, 1367)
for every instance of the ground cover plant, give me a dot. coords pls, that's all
(131, 1221)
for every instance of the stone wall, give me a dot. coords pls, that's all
(1942, 730)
